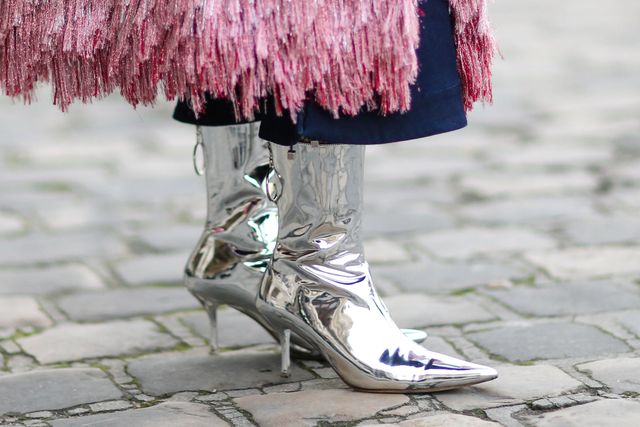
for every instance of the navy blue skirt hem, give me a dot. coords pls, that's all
(430, 115)
(219, 112)
(436, 106)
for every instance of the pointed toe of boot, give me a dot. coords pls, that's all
(445, 373)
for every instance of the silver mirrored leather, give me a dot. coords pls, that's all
(231, 256)
(319, 287)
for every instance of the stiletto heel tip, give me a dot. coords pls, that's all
(285, 342)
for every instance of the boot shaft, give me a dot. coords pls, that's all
(319, 193)
(236, 167)
(241, 224)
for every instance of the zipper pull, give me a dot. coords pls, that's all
(291, 154)
(199, 147)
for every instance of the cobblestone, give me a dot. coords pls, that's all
(466, 242)
(169, 373)
(16, 312)
(548, 341)
(60, 247)
(604, 230)
(497, 184)
(376, 224)
(626, 413)
(10, 224)
(279, 409)
(381, 251)
(48, 280)
(449, 277)
(620, 375)
(415, 310)
(571, 263)
(440, 345)
(40, 414)
(120, 303)
(552, 155)
(442, 420)
(153, 269)
(569, 298)
(504, 415)
(68, 342)
(537, 211)
(229, 323)
(10, 347)
(516, 384)
(631, 321)
(163, 415)
(170, 238)
(113, 405)
(20, 363)
(512, 243)
(54, 389)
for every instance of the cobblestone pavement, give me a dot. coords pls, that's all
(519, 247)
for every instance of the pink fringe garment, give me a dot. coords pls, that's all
(346, 53)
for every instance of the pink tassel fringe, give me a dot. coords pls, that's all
(346, 53)
(476, 47)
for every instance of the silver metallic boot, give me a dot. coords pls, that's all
(319, 288)
(231, 256)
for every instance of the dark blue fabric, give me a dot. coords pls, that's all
(219, 112)
(436, 100)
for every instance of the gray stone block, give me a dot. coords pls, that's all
(53, 389)
(618, 412)
(553, 154)
(10, 223)
(448, 277)
(48, 280)
(195, 371)
(391, 168)
(379, 198)
(627, 173)
(17, 312)
(81, 214)
(165, 268)
(235, 329)
(396, 222)
(595, 262)
(170, 237)
(542, 211)
(314, 406)
(512, 183)
(416, 310)
(49, 178)
(439, 345)
(440, 420)
(548, 341)
(384, 251)
(569, 298)
(120, 303)
(625, 198)
(110, 405)
(620, 375)
(469, 241)
(168, 414)
(604, 230)
(67, 342)
(514, 385)
(631, 321)
(38, 248)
